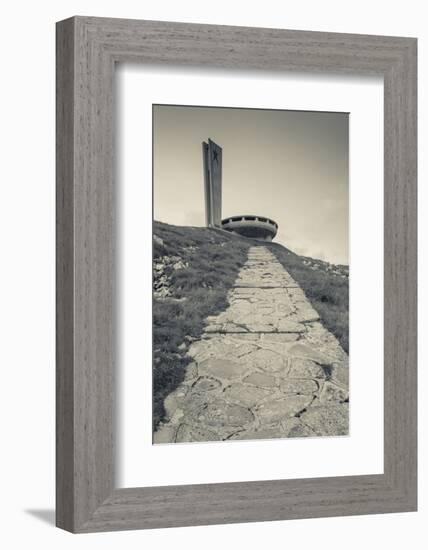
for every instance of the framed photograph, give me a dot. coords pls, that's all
(236, 274)
(257, 361)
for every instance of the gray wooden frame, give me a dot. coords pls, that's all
(87, 50)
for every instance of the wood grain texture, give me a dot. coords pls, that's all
(87, 50)
(64, 277)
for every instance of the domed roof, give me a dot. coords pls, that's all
(252, 226)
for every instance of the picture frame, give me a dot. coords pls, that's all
(87, 50)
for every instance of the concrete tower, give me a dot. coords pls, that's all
(212, 159)
(260, 228)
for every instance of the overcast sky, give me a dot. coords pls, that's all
(291, 166)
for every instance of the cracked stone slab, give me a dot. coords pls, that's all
(328, 420)
(340, 375)
(223, 345)
(280, 349)
(221, 414)
(297, 295)
(278, 338)
(307, 351)
(294, 427)
(191, 372)
(305, 314)
(188, 434)
(267, 360)
(320, 338)
(333, 393)
(277, 410)
(288, 325)
(174, 400)
(272, 432)
(260, 379)
(206, 383)
(249, 337)
(305, 368)
(254, 326)
(307, 387)
(213, 328)
(165, 434)
(245, 394)
(221, 368)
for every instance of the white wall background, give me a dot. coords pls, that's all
(27, 271)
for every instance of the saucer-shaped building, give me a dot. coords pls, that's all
(254, 227)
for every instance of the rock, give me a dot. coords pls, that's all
(305, 368)
(199, 349)
(277, 410)
(176, 418)
(340, 375)
(257, 327)
(248, 336)
(188, 434)
(294, 427)
(221, 368)
(280, 349)
(233, 327)
(243, 349)
(296, 295)
(191, 372)
(308, 352)
(219, 413)
(165, 434)
(306, 313)
(287, 325)
(322, 340)
(245, 394)
(219, 347)
(174, 400)
(179, 265)
(278, 338)
(283, 307)
(157, 239)
(213, 328)
(332, 393)
(260, 433)
(260, 379)
(299, 386)
(327, 420)
(206, 383)
(266, 360)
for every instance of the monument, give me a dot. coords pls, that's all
(253, 227)
(212, 159)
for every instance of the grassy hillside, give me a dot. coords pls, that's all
(326, 286)
(193, 269)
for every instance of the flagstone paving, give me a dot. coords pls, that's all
(264, 368)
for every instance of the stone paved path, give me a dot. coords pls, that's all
(264, 368)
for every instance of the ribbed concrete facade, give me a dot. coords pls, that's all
(255, 227)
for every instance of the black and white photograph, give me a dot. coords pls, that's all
(250, 274)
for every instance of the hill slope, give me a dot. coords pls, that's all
(193, 269)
